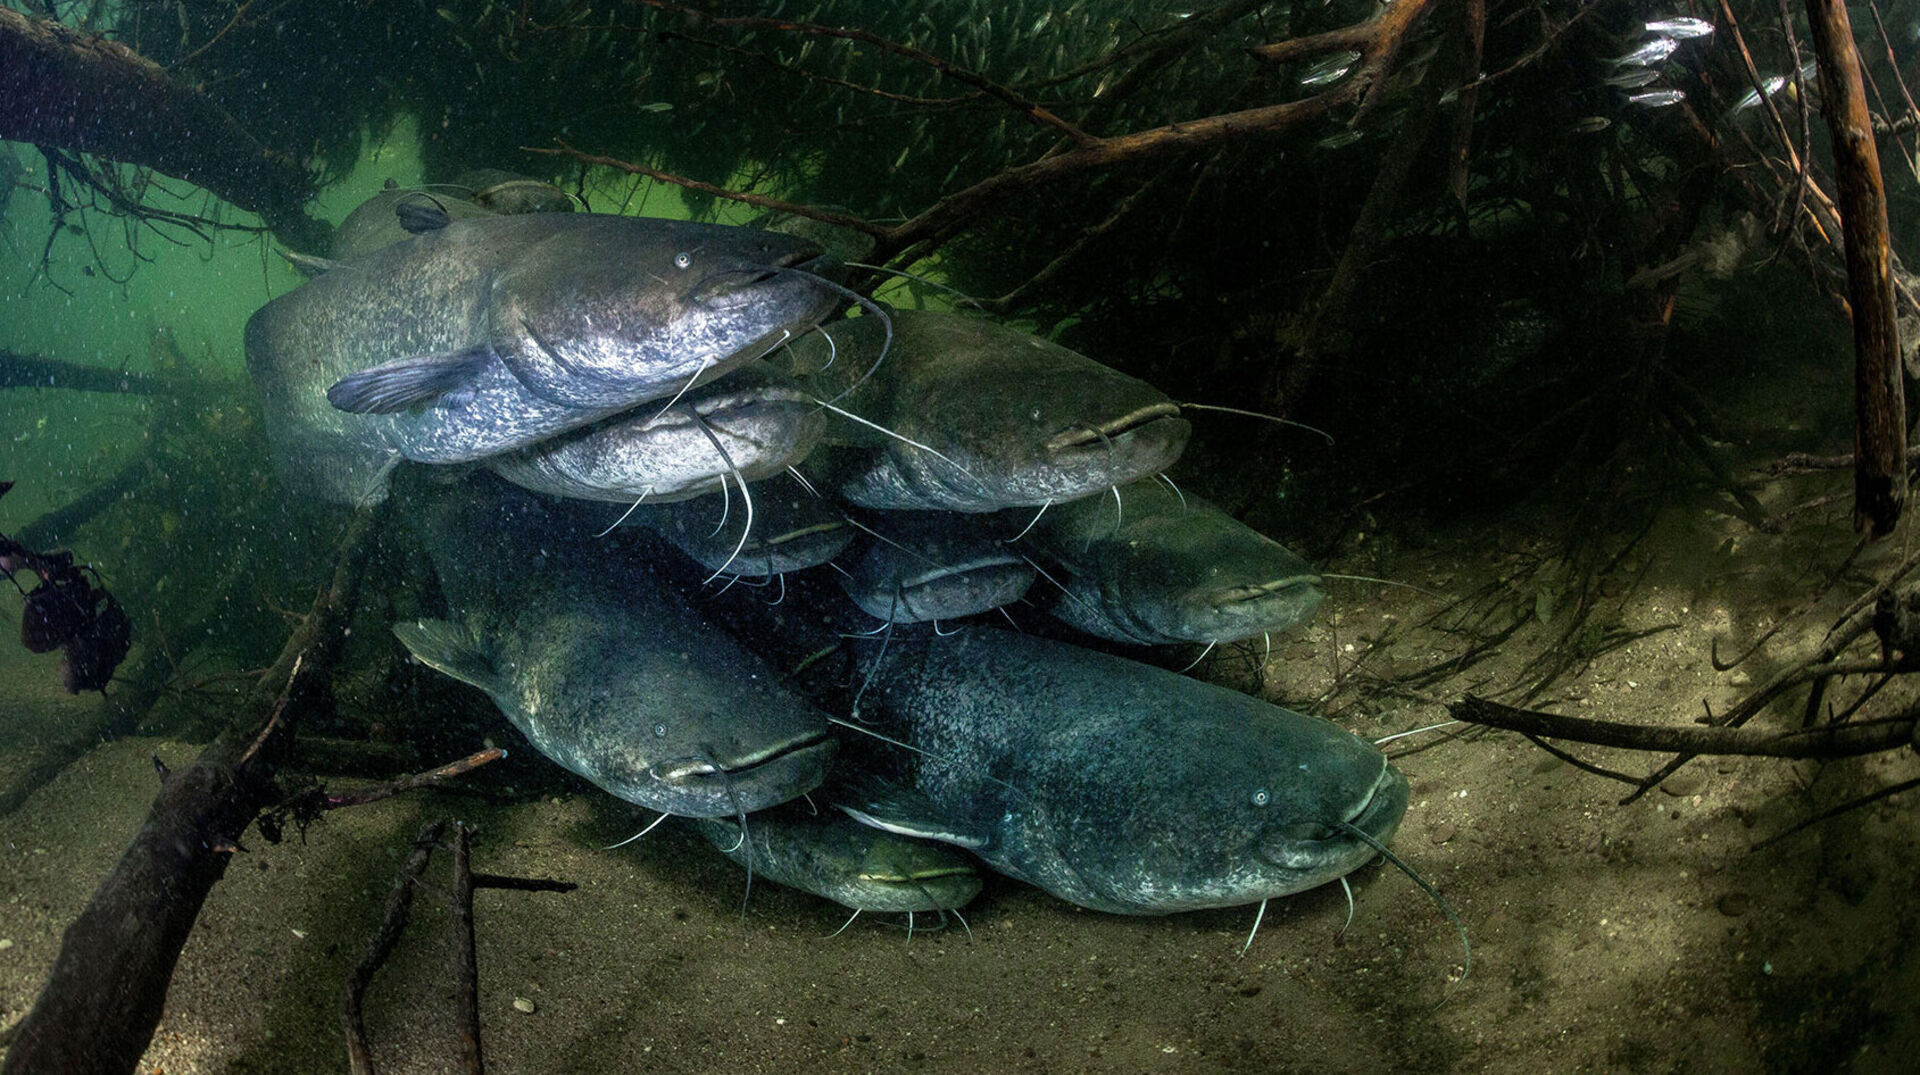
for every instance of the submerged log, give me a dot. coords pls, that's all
(31, 371)
(104, 996)
(64, 87)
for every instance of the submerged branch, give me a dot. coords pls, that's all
(31, 371)
(60, 86)
(1830, 741)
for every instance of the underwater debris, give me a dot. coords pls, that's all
(68, 612)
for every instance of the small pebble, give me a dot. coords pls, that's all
(1443, 832)
(1683, 783)
(522, 1004)
(5, 943)
(1735, 904)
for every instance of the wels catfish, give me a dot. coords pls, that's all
(751, 424)
(835, 857)
(982, 416)
(605, 668)
(1152, 566)
(924, 566)
(496, 332)
(790, 531)
(1118, 786)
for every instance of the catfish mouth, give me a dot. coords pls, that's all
(1289, 586)
(788, 537)
(722, 406)
(918, 877)
(1379, 814)
(983, 567)
(685, 772)
(1131, 422)
(727, 288)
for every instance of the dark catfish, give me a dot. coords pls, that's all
(790, 530)
(1153, 566)
(605, 668)
(983, 416)
(920, 566)
(831, 855)
(1116, 785)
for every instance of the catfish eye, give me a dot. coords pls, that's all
(1262, 797)
(660, 731)
(683, 260)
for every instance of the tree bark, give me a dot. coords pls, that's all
(1880, 423)
(63, 87)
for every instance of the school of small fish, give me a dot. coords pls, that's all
(590, 393)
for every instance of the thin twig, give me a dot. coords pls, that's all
(1851, 804)
(392, 924)
(466, 970)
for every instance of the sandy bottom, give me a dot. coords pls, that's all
(1646, 937)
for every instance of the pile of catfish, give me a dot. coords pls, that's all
(575, 380)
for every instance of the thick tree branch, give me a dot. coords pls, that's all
(63, 87)
(30, 371)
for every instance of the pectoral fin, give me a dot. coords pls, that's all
(452, 649)
(418, 216)
(409, 382)
(306, 264)
(896, 808)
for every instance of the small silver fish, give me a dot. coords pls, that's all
(1648, 54)
(1592, 124)
(1681, 28)
(1632, 78)
(1657, 98)
(1331, 69)
(1768, 88)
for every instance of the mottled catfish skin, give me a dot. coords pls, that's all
(491, 333)
(1016, 421)
(755, 422)
(833, 856)
(605, 668)
(1118, 786)
(1154, 567)
(922, 566)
